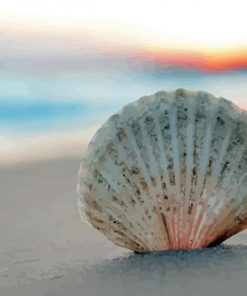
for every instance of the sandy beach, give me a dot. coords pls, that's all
(46, 250)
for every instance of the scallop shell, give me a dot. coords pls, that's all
(168, 171)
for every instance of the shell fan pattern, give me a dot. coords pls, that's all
(168, 171)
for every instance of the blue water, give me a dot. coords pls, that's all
(41, 114)
(47, 102)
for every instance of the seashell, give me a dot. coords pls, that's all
(168, 171)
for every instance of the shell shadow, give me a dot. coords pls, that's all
(154, 273)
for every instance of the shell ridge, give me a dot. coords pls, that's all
(163, 157)
(204, 139)
(204, 163)
(182, 122)
(164, 164)
(193, 182)
(154, 171)
(175, 156)
(140, 161)
(189, 164)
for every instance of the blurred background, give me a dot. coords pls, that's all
(65, 66)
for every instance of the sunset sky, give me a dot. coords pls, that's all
(65, 66)
(214, 30)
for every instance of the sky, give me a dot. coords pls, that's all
(65, 66)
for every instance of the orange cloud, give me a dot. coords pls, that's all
(220, 60)
(87, 42)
